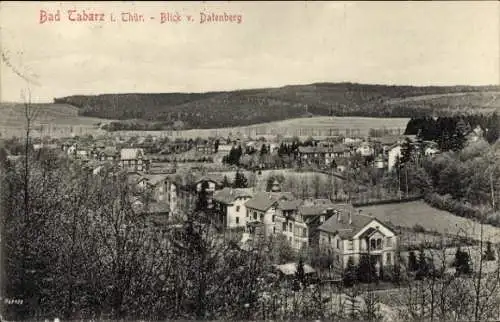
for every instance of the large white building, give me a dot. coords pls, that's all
(349, 234)
(278, 213)
(231, 203)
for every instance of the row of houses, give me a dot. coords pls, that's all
(130, 159)
(383, 152)
(338, 230)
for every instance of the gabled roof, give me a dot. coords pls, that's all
(228, 195)
(289, 204)
(210, 177)
(264, 200)
(110, 151)
(131, 154)
(343, 228)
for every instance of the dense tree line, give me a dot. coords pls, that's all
(445, 130)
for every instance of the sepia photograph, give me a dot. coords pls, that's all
(247, 160)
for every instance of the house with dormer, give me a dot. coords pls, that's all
(277, 213)
(349, 234)
(230, 203)
(133, 159)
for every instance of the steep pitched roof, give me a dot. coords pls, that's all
(261, 201)
(289, 204)
(343, 228)
(264, 200)
(228, 195)
(110, 151)
(131, 154)
(210, 177)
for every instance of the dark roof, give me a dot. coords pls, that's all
(228, 195)
(110, 151)
(289, 204)
(264, 200)
(217, 178)
(343, 228)
(154, 179)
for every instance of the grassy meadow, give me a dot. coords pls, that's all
(411, 214)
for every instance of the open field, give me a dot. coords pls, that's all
(302, 127)
(53, 120)
(409, 214)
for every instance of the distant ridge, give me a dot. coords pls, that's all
(252, 106)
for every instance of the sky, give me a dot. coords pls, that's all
(276, 44)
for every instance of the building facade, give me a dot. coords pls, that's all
(350, 235)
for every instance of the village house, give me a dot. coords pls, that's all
(290, 223)
(365, 149)
(262, 209)
(106, 154)
(205, 147)
(349, 234)
(277, 212)
(323, 155)
(230, 202)
(175, 147)
(155, 185)
(181, 196)
(133, 159)
(209, 184)
(315, 212)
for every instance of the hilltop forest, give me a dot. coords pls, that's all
(164, 111)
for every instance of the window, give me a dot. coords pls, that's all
(304, 232)
(255, 215)
(291, 227)
(261, 217)
(379, 243)
(274, 217)
(388, 258)
(237, 220)
(274, 230)
(350, 245)
(388, 242)
(284, 226)
(329, 239)
(338, 243)
(237, 208)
